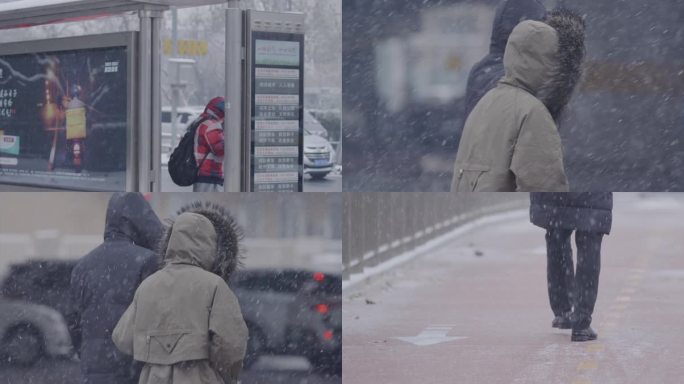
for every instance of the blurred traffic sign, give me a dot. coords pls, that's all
(186, 47)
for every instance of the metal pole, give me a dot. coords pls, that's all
(149, 91)
(156, 102)
(346, 232)
(232, 162)
(175, 91)
(144, 131)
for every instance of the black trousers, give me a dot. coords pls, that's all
(573, 290)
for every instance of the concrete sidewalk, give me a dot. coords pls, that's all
(476, 310)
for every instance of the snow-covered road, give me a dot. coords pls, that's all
(476, 309)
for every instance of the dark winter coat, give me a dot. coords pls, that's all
(486, 74)
(184, 323)
(510, 141)
(103, 284)
(586, 211)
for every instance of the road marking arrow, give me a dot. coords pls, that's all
(431, 335)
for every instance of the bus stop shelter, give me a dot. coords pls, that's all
(55, 135)
(142, 169)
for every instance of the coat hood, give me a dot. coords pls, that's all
(130, 217)
(485, 75)
(192, 241)
(205, 235)
(546, 58)
(530, 58)
(508, 14)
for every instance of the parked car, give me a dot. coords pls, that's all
(29, 331)
(316, 331)
(35, 296)
(44, 282)
(319, 156)
(265, 296)
(291, 311)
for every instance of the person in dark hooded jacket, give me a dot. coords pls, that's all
(103, 284)
(573, 295)
(510, 141)
(486, 74)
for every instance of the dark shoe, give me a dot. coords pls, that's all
(586, 334)
(562, 322)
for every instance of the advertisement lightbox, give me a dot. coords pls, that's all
(277, 98)
(65, 112)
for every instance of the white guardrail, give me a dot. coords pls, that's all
(381, 226)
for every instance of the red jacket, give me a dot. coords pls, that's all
(209, 142)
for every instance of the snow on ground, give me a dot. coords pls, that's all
(498, 300)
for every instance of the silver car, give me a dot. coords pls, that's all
(29, 331)
(319, 156)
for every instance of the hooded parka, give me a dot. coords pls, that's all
(510, 141)
(185, 324)
(103, 284)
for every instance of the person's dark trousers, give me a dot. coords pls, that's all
(586, 276)
(565, 290)
(560, 272)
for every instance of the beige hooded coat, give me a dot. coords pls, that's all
(510, 141)
(185, 324)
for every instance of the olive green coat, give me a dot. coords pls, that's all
(184, 322)
(510, 141)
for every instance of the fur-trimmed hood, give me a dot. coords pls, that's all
(556, 93)
(206, 235)
(545, 59)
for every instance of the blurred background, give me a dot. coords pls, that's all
(289, 291)
(280, 231)
(405, 69)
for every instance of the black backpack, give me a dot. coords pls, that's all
(183, 166)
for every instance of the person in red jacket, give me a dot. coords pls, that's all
(209, 145)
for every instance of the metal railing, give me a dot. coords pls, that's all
(380, 226)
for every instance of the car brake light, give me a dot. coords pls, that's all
(318, 276)
(328, 335)
(321, 308)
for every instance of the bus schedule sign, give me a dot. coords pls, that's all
(277, 112)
